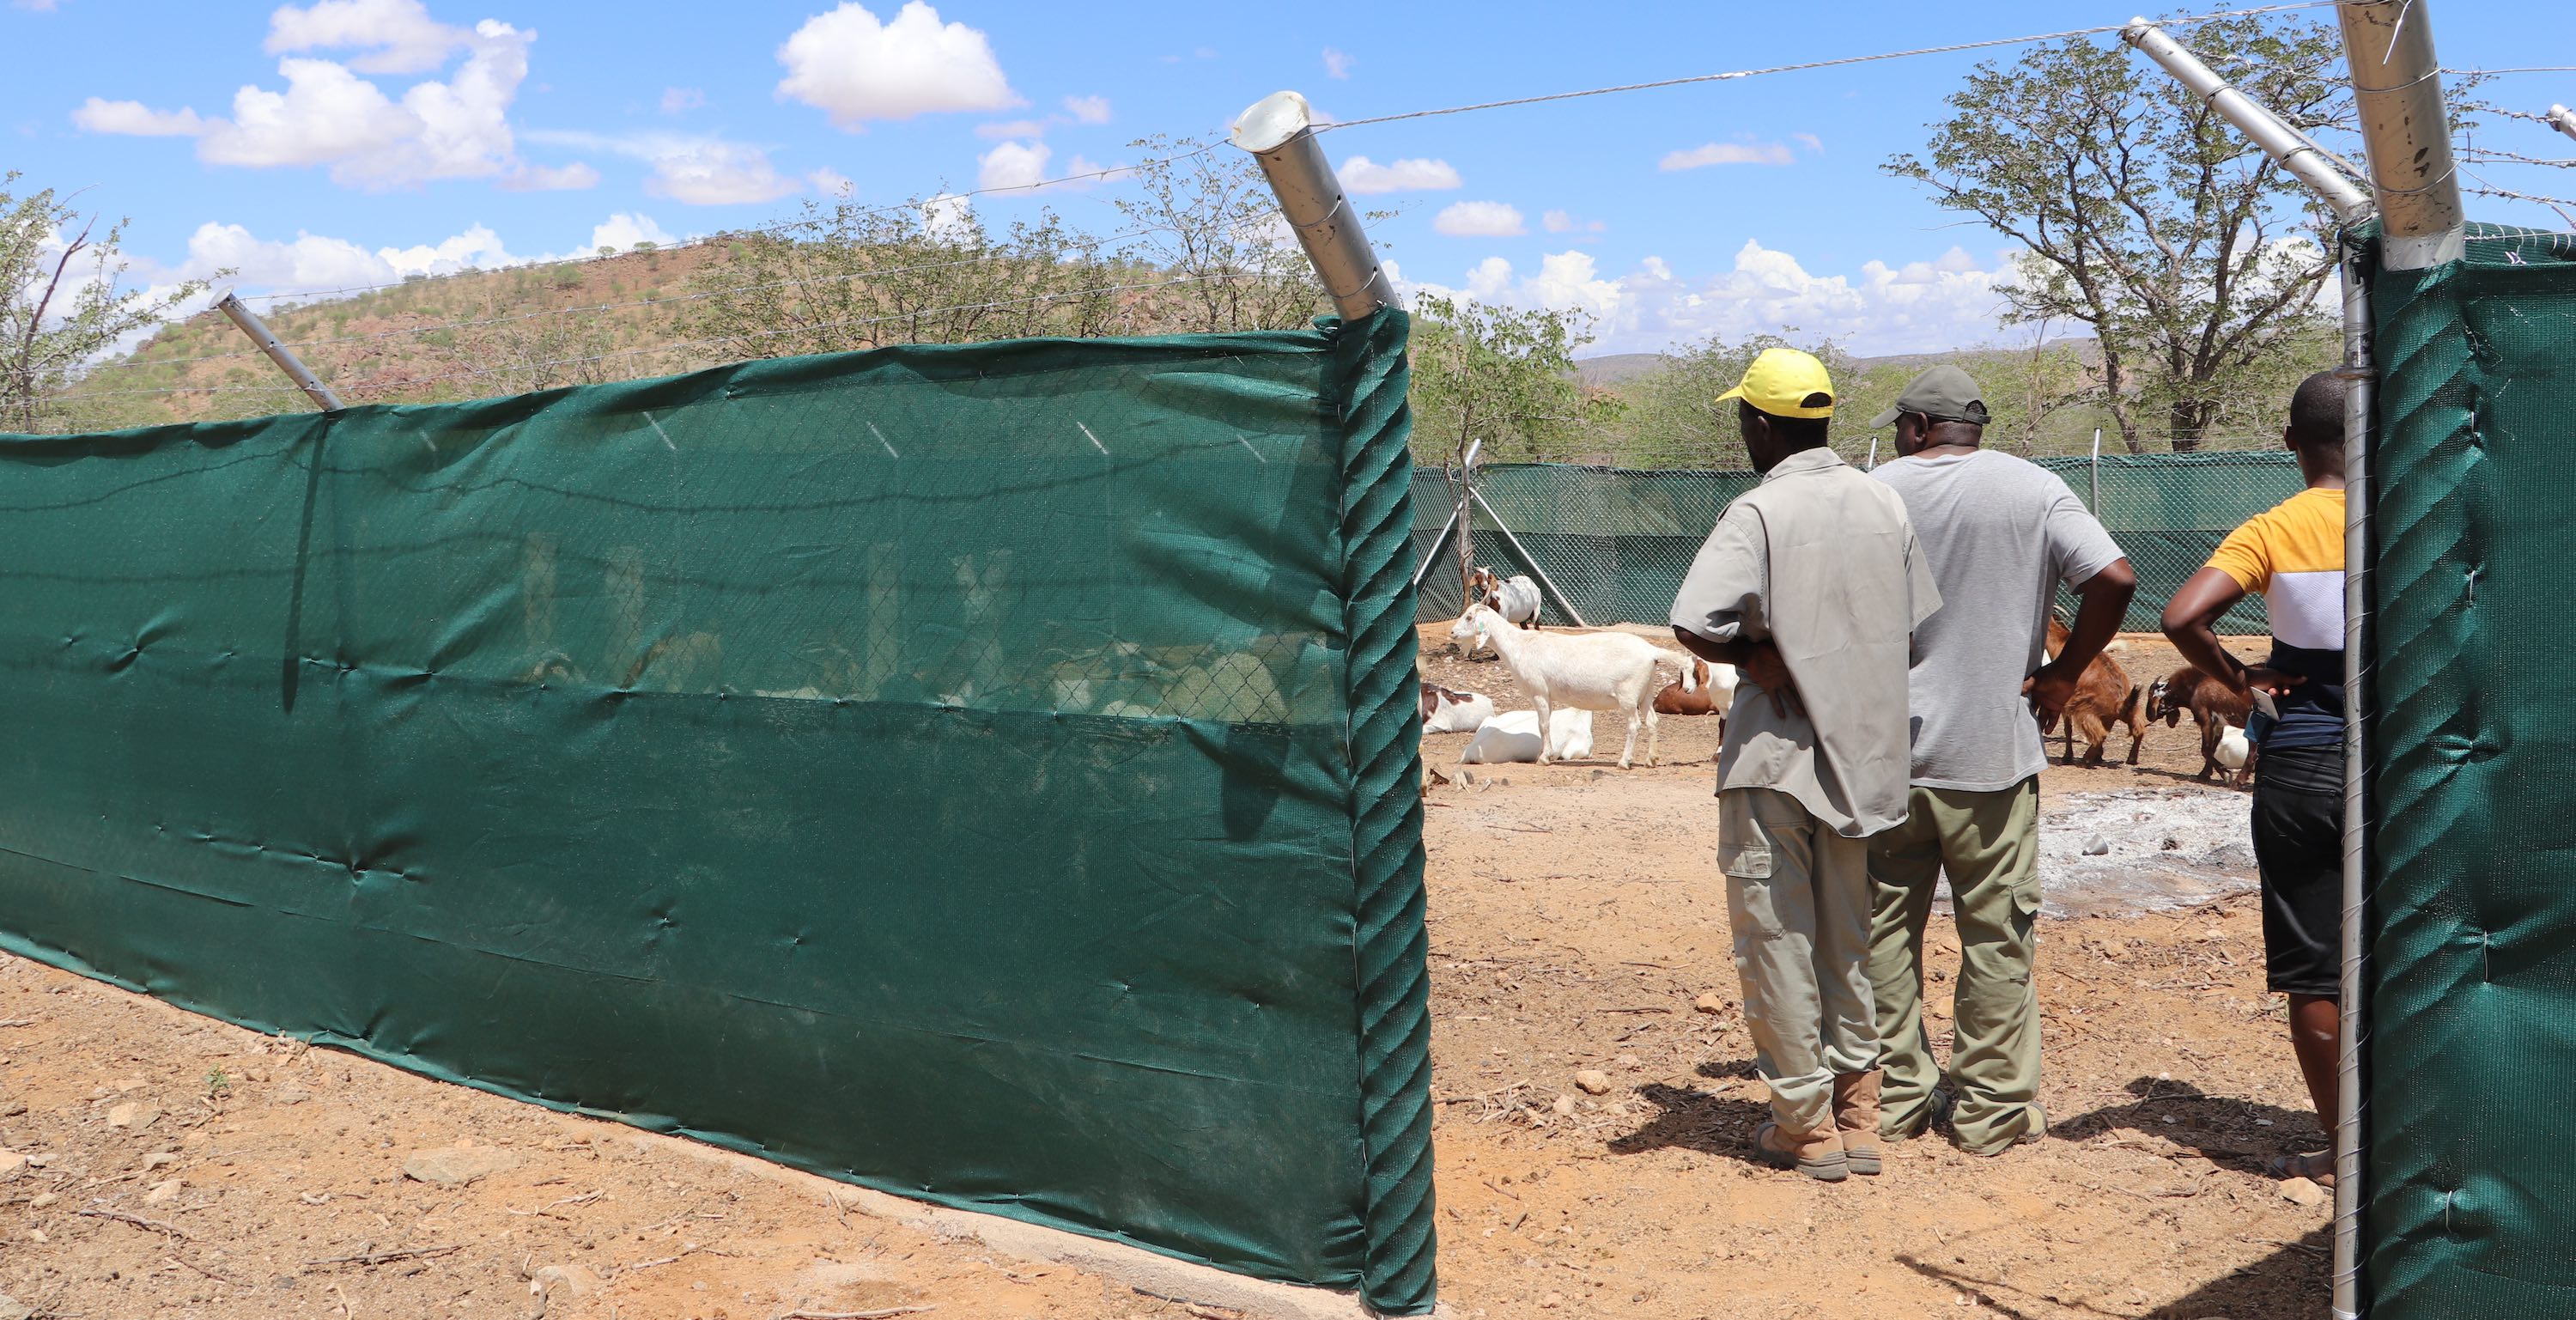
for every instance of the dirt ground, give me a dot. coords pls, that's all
(178, 1167)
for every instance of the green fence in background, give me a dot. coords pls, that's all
(986, 773)
(2472, 948)
(1617, 541)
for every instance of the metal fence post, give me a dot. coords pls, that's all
(231, 306)
(2097, 474)
(1279, 131)
(2406, 131)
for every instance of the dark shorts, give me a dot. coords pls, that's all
(2298, 847)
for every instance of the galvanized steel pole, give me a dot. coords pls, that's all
(2406, 130)
(2353, 988)
(1279, 132)
(2563, 119)
(231, 306)
(2296, 152)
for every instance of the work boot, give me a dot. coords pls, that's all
(1856, 1119)
(1819, 1155)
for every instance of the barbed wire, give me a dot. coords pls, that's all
(136, 364)
(526, 367)
(1951, 49)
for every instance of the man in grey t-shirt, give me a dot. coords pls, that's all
(1999, 534)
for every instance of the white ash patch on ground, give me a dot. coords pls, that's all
(2135, 850)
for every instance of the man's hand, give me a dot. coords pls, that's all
(1769, 672)
(2050, 689)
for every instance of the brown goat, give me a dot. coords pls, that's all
(2104, 697)
(2213, 705)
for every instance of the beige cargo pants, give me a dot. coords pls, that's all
(1989, 844)
(1798, 898)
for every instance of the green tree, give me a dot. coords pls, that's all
(62, 306)
(2195, 259)
(1209, 218)
(1498, 375)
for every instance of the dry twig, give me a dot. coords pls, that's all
(385, 1257)
(138, 1221)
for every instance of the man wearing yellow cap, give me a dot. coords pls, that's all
(1811, 583)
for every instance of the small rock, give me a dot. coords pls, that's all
(291, 1096)
(1629, 1061)
(159, 1159)
(2172, 844)
(2097, 846)
(13, 1309)
(131, 1084)
(1551, 1301)
(1593, 1081)
(41, 1199)
(2302, 1191)
(1504, 782)
(456, 1166)
(12, 1165)
(13, 1109)
(132, 1115)
(38, 1236)
(315, 1198)
(2213, 933)
(1564, 1106)
(1601, 774)
(162, 1191)
(578, 1280)
(1709, 1003)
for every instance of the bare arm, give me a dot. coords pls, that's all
(2102, 600)
(1759, 662)
(2191, 624)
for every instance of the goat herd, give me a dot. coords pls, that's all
(1568, 676)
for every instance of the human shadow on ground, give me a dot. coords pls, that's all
(2289, 1284)
(2233, 1133)
(1697, 1120)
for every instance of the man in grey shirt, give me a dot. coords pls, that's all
(1810, 583)
(2000, 534)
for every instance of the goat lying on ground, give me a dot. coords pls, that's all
(1513, 736)
(1583, 671)
(2104, 696)
(1716, 694)
(1446, 711)
(2214, 706)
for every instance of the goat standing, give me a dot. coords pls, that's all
(1585, 671)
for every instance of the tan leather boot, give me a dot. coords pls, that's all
(1819, 1155)
(1856, 1118)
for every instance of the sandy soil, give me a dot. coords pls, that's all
(1575, 919)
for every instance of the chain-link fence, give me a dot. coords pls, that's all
(1612, 544)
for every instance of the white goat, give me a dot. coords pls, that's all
(2234, 750)
(1445, 710)
(1586, 671)
(1513, 737)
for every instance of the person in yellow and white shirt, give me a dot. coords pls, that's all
(2293, 555)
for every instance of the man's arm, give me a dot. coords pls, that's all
(2102, 600)
(2191, 624)
(1760, 661)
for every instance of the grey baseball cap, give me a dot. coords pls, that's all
(1944, 394)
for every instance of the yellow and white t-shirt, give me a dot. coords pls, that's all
(2292, 553)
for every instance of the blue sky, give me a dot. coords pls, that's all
(345, 141)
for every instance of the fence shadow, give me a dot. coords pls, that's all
(1697, 1120)
(2188, 1116)
(2289, 1284)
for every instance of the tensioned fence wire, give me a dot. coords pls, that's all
(1617, 541)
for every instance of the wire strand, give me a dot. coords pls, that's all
(1842, 61)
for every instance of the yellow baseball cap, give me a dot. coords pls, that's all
(1781, 381)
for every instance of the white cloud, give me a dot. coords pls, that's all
(831, 182)
(1013, 165)
(327, 115)
(1566, 222)
(135, 119)
(399, 36)
(1808, 140)
(1921, 306)
(1413, 174)
(690, 168)
(855, 68)
(1728, 153)
(1337, 64)
(1087, 109)
(545, 178)
(1013, 128)
(1479, 220)
(677, 100)
(948, 217)
(624, 230)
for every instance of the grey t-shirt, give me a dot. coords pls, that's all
(2000, 534)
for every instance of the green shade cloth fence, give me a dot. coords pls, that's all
(986, 773)
(1617, 541)
(2472, 1040)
